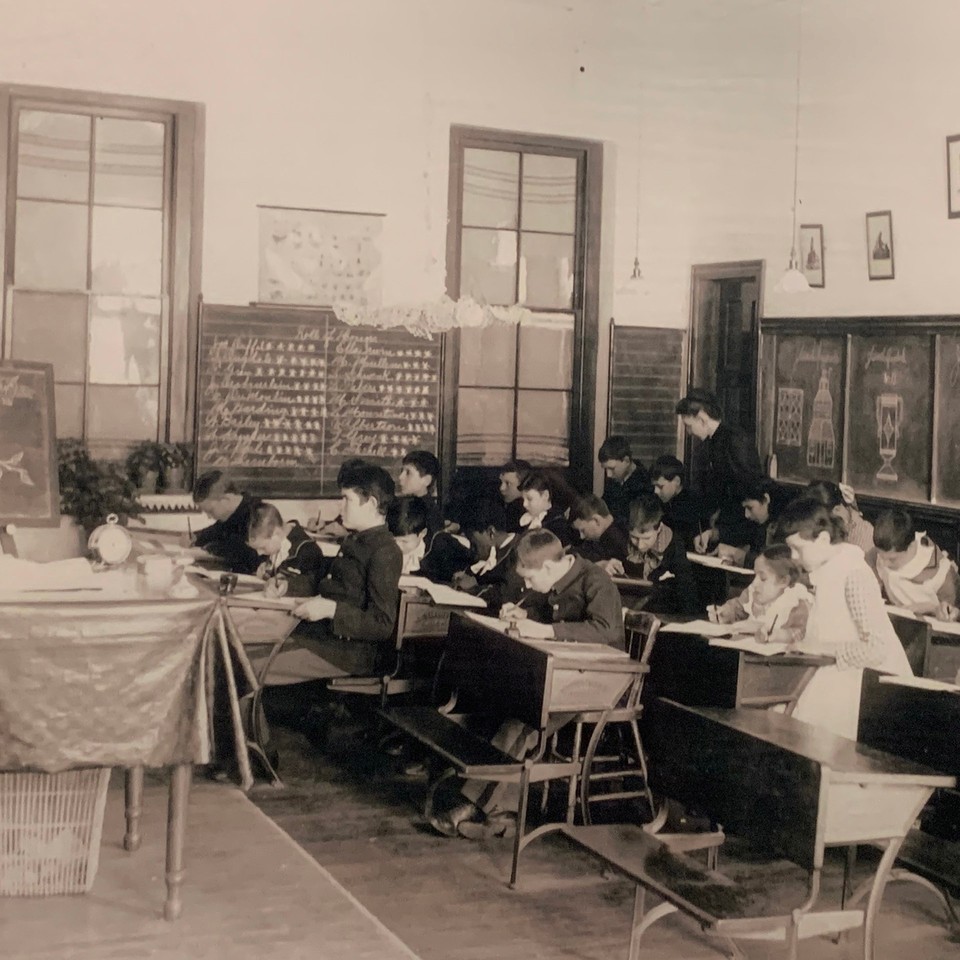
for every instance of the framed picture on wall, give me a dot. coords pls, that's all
(811, 253)
(880, 245)
(953, 176)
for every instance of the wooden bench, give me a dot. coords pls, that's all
(930, 735)
(494, 678)
(789, 789)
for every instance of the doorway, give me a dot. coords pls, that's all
(725, 305)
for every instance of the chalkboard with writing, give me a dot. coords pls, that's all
(285, 395)
(890, 439)
(646, 367)
(808, 407)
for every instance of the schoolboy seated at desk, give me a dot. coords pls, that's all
(439, 557)
(348, 624)
(512, 474)
(601, 538)
(624, 478)
(226, 538)
(542, 509)
(579, 604)
(841, 501)
(658, 558)
(763, 501)
(913, 571)
(684, 512)
(295, 565)
(492, 573)
(419, 477)
(776, 601)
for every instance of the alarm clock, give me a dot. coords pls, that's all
(110, 544)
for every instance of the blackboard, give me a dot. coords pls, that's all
(646, 369)
(29, 485)
(808, 407)
(285, 395)
(948, 420)
(890, 415)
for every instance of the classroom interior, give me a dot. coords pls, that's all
(710, 138)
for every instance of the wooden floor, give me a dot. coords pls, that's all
(250, 894)
(382, 888)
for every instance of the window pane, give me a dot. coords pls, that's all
(491, 180)
(488, 266)
(122, 413)
(50, 249)
(51, 328)
(127, 250)
(549, 193)
(68, 400)
(543, 427)
(488, 355)
(53, 156)
(484, 427)
(128, 165)
(546, 351)
(546, 271)
(124, 340)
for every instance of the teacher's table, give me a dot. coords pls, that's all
(112, 676)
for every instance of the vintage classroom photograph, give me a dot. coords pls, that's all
(479, 480)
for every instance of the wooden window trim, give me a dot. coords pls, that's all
(586, 338)
(178, 387)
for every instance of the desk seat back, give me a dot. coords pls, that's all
(494, 674)
(752, 788)
(919, 725)
(914, 636)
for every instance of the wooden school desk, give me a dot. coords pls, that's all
(489, 678)
(112, 676)
(717, 580)
(686, 668)
(789, 788)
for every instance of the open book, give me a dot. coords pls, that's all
(442, 595)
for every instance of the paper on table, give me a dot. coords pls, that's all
(495, 623)
(944, 626)
(246, 579)
(701, 628)
(265, 602)
(894, 610)
(452, 598)
(923, 683)
(709, 561)
(749, 645)
(409, 580)
(75, 574)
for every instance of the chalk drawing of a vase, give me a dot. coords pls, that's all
(889, 416)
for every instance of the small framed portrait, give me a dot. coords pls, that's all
(811, 253)
(953, 176)
(880, 245)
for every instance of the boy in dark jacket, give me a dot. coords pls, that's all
(226, 538)
(438, 557)
(295, 565)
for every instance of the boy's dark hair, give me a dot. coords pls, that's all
(348, 465)
(538, 480)
(893, 530)
(426, 464)
(535, 547)
(758, 488)
(697, 400)
(808, 518)
(407, 515)
(615, 448)
(589, 506)
(520, 467)
(782, 563)
(668, 467)
(212, 485)
(264, 519)
(825, 492)
(645, 512)
(370, 481)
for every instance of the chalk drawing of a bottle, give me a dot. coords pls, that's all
(889, 415)
(821, 441)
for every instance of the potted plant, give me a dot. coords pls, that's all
(90, 490)
(145, 463)
(176, 469)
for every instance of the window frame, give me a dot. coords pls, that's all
(183, 238)
(587, 267)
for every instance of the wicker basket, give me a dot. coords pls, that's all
(50, 826)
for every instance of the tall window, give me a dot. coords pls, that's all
(91, 245)
(525, 230)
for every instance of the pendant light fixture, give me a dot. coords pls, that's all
(793, 281)
(634, 284)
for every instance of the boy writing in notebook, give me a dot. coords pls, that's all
(580, 604)
(295, 565)
(226, 538)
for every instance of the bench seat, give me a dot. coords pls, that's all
(720, 904)
(932, 858)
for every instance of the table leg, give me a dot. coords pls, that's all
(133, 806)
(180, 777)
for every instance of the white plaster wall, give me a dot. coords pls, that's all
(347, 104)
